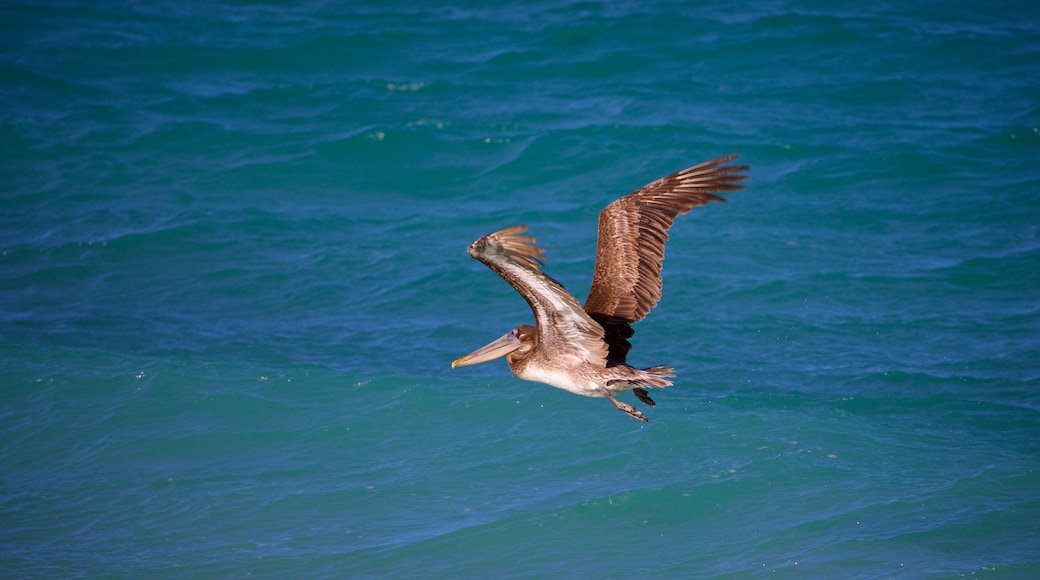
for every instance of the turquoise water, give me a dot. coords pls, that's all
(233, 276)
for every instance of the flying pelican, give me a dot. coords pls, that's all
(583, 350)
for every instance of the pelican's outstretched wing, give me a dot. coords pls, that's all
(562, 324)
(632, 233)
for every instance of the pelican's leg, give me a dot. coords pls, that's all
(625, 408)
(644, 396)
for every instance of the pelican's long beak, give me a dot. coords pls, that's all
(501, 347)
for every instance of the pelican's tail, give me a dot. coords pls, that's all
(657, 376)
(628, 377)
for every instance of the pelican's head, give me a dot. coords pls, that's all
(517, 342)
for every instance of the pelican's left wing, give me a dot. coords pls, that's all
(562, 322)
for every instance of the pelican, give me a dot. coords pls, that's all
(583, 349)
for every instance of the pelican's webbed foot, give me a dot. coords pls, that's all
(644, 396)
(626, 408)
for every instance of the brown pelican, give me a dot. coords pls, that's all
(583, 350)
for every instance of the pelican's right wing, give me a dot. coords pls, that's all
(632, 233)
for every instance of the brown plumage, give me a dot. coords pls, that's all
(584, 350)
(626, 283)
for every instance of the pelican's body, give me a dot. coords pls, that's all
(583, 350)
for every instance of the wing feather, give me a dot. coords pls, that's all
(633, 230)
(561, 320)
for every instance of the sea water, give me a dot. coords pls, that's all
(233, 276)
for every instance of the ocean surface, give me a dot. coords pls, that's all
(233, 276)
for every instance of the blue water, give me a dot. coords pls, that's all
(233, 276)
